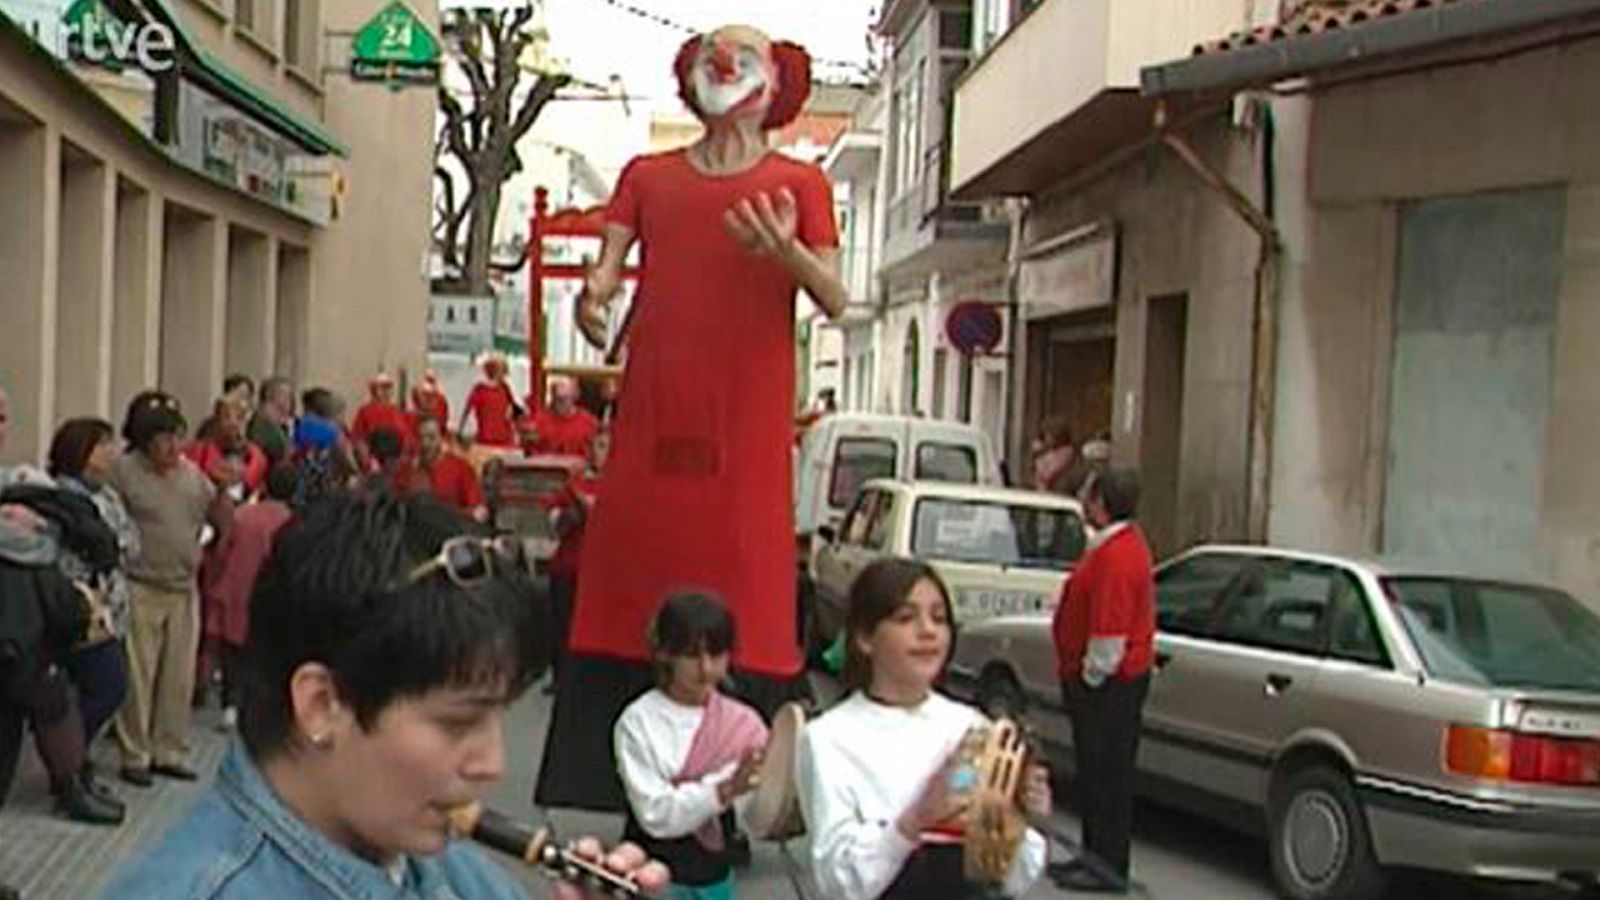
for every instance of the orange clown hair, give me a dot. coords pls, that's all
(794, 80)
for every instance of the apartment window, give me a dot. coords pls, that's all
(993, 19)
(302, 32)
(955, 29)
(909, 101)
(244, 14)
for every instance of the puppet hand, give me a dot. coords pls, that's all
(600, 285)
(766, 224)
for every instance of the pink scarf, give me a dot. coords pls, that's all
(728, 730)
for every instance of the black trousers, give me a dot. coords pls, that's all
(1105, 744)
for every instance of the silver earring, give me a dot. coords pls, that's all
(321, 741)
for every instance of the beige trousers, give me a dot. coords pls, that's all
(163, 637)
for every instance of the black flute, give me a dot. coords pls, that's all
(537, 848)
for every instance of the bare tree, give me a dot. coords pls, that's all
(481, 134)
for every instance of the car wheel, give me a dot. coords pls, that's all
(1320, 846)
(999, 696)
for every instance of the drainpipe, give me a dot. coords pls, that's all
(1264, 318)
(1016, 441)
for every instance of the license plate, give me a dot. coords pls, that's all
(1000, 603)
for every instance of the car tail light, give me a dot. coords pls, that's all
(1501, 755)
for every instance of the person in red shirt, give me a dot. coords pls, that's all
(379, 413)
(226, 456)
(570, 511)
(563, 428)
(1104, 632)
(232, 576)
(449, 477)
(429, 402)
(493, 405)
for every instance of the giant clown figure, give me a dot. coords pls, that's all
(698, 490)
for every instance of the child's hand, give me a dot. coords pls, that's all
(937, 803)
(744, 778)
(1037, 798)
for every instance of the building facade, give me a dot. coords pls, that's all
(1439, 202)
(196, 187)
(938, 252)
(1132, 279)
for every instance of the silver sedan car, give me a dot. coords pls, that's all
(1361, 715)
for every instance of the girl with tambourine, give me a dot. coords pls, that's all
(879, 775)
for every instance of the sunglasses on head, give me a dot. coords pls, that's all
(468, 561)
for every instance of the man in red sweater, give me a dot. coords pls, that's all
(563, 428)
(1104, 635)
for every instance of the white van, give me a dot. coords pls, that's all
(843, 451)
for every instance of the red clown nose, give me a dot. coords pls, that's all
(723, 63)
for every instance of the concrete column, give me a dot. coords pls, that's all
(293, 312)
(1570, 517)
(87, 269)
(194, 306)
(136, 322)
(30, 198)
(252, 302)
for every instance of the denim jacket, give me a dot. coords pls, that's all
(240, 842)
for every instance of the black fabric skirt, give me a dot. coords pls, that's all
(579, 770)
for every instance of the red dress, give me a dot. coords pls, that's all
(492, 405)
(698, 488)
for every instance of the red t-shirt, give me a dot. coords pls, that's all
(1110, 594)
(432, 406)
(376, 416)
(451, 479)
(209, 456)
(492, 406)
(568, 435)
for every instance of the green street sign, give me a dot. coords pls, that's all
(395, 46)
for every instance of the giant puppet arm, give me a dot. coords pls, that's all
(768, 224)
(603, 282)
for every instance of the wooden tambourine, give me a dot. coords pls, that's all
(994, 761)
(773, 813)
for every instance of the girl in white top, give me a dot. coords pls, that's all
(874, 772)
(686, 752)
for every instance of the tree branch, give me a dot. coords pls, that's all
(544, 90)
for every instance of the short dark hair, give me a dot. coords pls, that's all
(237, 379)
(386, 445)
(320, 401)
(1118, 491)
(74, 441)
(880, 589)
(151, 414)
(271, 385)
(335, 590)
(688, 623)
(283, 482)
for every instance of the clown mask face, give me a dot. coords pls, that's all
(733, 78)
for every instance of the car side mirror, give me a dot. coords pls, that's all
(828, 533)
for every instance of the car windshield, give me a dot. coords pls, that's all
(1500, 635)
(996, 533)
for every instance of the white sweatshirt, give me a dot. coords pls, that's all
(860, 766)
(652, 740)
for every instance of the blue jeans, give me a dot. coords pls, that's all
(100, 672)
